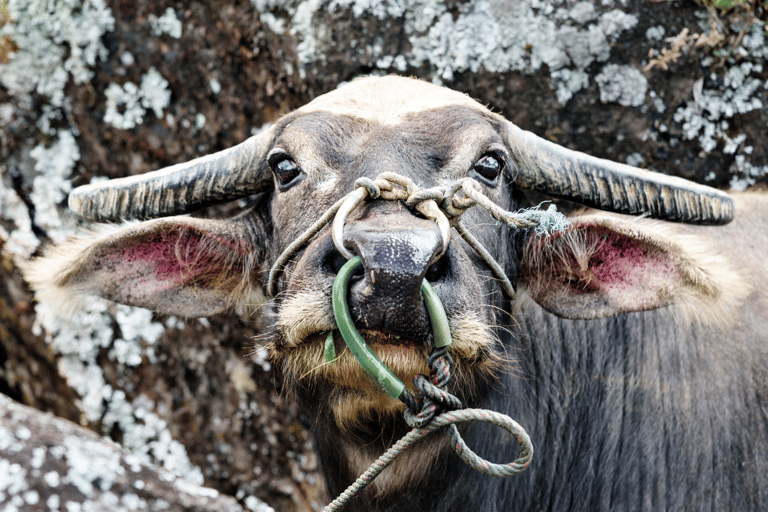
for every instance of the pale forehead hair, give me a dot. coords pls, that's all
(386, 100)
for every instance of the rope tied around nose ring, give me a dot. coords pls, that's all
(421, 413)
(433, 407)
(393, 186)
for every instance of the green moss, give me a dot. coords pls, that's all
(722, 4)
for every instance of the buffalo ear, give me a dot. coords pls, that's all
(182, 266)
(607, 265)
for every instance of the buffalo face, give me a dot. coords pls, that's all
(398, 246)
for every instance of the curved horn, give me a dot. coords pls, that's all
(218, 178)
(557, 171)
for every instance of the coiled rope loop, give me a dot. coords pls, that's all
(449, 419)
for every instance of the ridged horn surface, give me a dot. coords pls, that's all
(560, 172)
(212, 179)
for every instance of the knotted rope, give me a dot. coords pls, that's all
(444, 204)
(432, 398)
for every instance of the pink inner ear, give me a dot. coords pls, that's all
(601, 267)
(627, 269)
(620, 259)
(179, 256)
(158, 252)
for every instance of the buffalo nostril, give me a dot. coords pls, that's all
(438, 270)
(333, 262)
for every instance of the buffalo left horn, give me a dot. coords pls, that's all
(554, 170)
(213, 179)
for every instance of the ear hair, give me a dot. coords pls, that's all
(716, 288)
(47, 274)
(688, 272)
(184, 266)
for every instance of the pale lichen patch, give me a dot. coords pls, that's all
(78, 470)
(128, 104)
(21, 242)
(719, 99)
(624, 85)
(495, 36)
(12, 479)
(78, 340)
(168, 23)
(42, 31)
(54, 165)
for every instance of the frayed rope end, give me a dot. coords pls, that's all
(549, 221)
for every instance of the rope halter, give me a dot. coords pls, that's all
(443, 204)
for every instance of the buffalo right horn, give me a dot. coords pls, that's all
(213, 179)
(554, 170)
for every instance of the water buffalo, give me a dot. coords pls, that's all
(634, 351)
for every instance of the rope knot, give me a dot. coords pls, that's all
(453, 204)
(370, 186)
(431, 399)
(395, 186)
(426, 194)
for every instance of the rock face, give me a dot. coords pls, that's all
(101, 89)
(48, 463)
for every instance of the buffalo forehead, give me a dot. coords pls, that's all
(388, 100)
(446, 138)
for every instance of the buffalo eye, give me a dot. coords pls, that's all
(284, 169)
(489, 167)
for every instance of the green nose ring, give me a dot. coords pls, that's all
(372, 365)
